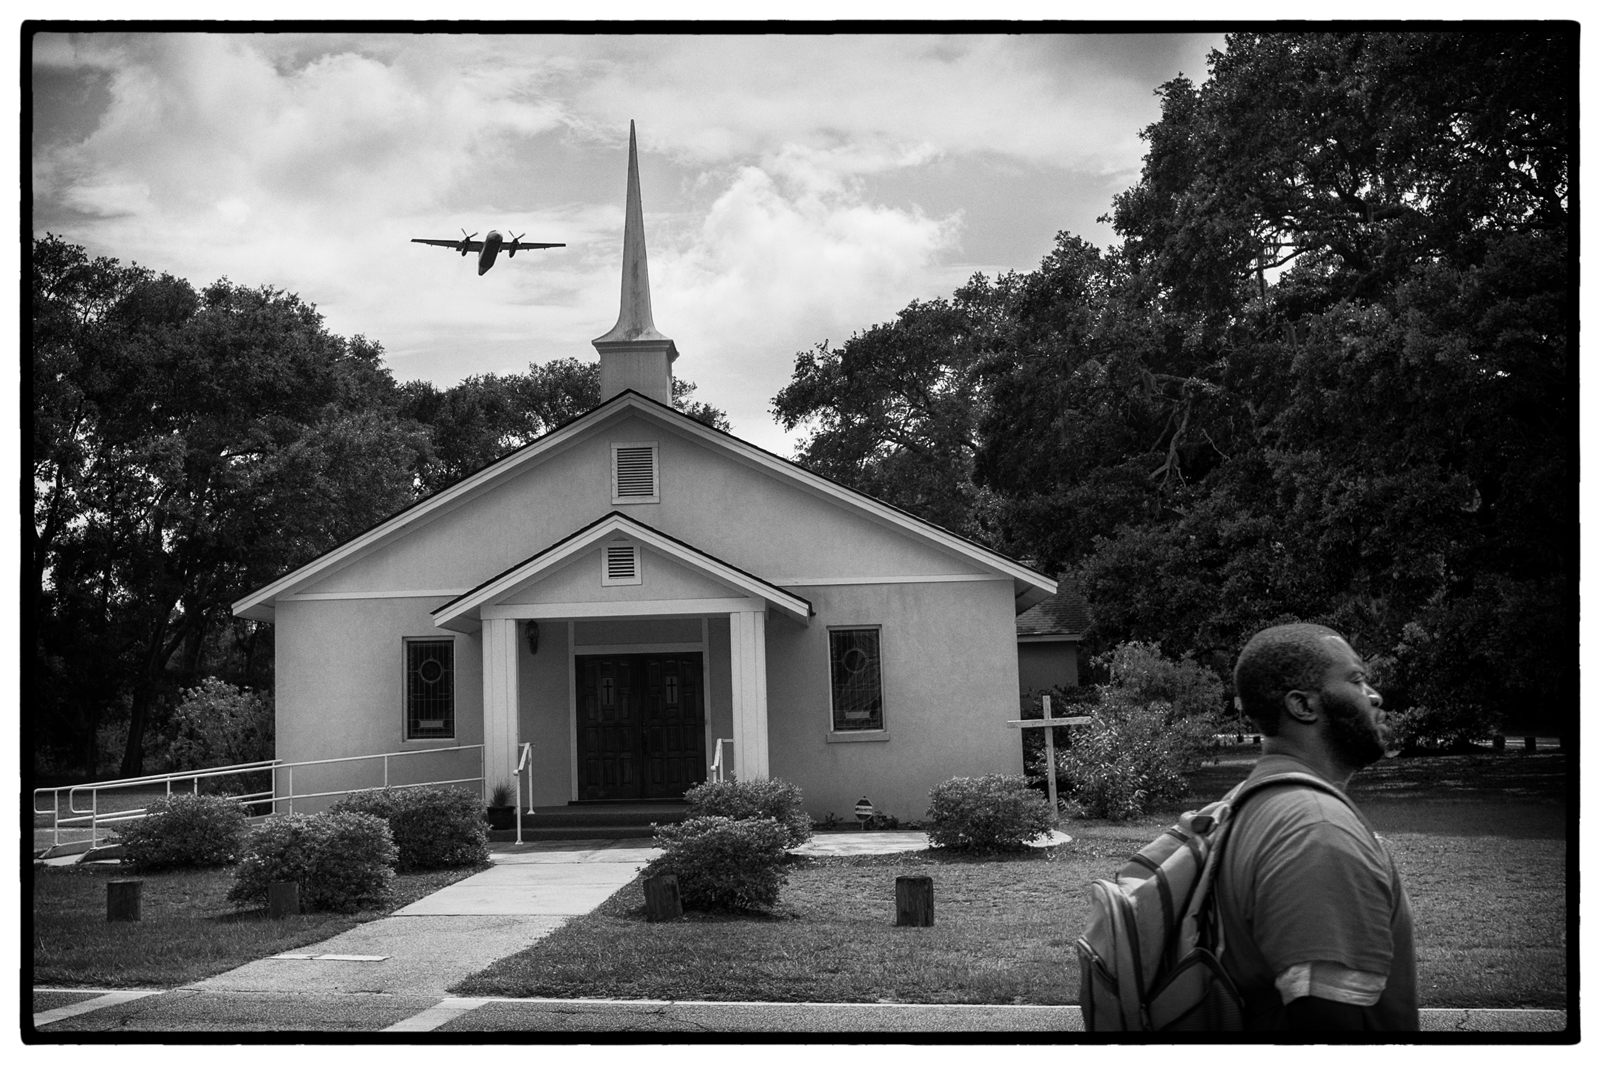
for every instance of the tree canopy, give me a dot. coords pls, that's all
(481, 419)
(190, 446)
(1324, 375)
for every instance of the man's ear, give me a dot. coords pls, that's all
(1300, 707)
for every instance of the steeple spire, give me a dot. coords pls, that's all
(633, 354)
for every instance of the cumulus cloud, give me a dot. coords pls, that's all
(203, 119)
(308, 161)
(1074, 103)
(780, 263)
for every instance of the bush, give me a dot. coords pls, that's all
(342, 861)
(724, 863)
(1449, 725)
(217, 724)
(1141, 675)
(433, 828)
(279, 850)
(1131, 757)
(740, 799)
(185, 831)
(986, 814)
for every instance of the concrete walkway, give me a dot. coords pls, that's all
(532, 889)
(423, 948)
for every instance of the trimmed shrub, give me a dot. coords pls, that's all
(278, 850)
(986, 814)
(740, 799)
(379, 803)
(354, 866)
(342, 861)
(724, 863)
(433, 828)
(1131, 757)
(185, 831)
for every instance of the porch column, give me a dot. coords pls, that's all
(499, 702)
(747, 631)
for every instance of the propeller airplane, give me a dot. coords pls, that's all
(488, 248)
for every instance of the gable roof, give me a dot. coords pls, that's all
(1064, 614)
(460, 609)
(1029, 586)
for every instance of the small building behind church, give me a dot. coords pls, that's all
(1049, 635)
(637, 595)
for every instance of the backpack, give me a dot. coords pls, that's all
(1151, 957)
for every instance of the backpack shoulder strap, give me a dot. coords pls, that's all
(1223, 811)
(1250, 785)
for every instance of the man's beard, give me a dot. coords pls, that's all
(1356, 742)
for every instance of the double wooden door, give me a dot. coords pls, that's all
(641, 725)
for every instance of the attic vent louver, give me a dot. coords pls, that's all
(633, 473)
(619, 564)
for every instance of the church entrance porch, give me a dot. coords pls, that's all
(640, 725)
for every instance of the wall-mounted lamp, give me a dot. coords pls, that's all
(532, 630)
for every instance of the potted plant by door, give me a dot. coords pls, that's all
(502, 812)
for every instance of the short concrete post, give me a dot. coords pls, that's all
(283, 899)
(661, 899)
(1530, 744)
(123, 899)
(913, 901)
(1500, 742)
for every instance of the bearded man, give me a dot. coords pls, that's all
(1316, 926)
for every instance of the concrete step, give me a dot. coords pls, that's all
(531, 835)
(593, 821)
(74, 848)
(607, 814)
(77, 853)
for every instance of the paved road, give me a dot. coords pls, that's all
(190, 1010)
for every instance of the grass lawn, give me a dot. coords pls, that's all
(188, 929)
(1480, 841)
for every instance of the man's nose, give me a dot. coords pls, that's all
(1374, 695)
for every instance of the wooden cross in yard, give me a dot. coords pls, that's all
(1049, 724)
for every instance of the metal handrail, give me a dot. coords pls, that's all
(386, 755)
(524, 761)
(717, 769)
(95, 819)
(76, 815)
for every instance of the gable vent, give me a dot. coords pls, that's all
(633, 473)
(619, 564)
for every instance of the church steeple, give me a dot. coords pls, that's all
(633, 354)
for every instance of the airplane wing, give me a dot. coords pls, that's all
(472, 245)
(524, 245)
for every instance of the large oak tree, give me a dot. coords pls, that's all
(188, 447)
(1325, 374)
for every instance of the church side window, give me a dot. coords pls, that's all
(430, 689)
(857, 670)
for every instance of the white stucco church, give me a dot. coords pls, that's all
(633, 588)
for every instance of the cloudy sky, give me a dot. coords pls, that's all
(796, 188)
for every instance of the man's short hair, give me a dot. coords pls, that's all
(1275, 662)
